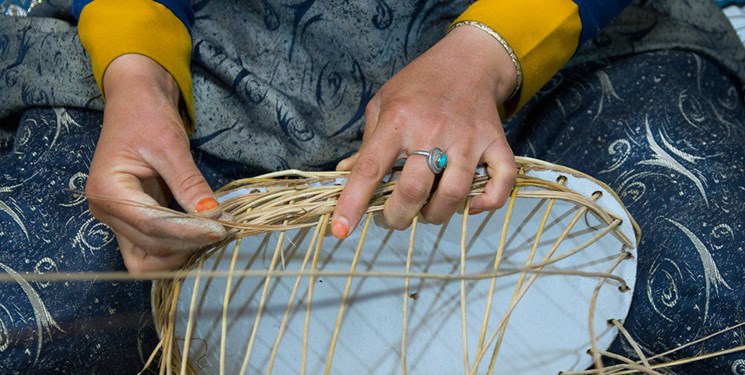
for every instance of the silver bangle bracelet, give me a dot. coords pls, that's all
(504, 44)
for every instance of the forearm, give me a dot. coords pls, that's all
(109, 29)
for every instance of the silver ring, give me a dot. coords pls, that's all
(436, 159)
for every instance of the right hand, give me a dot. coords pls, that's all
(143, 156)
(447, 98)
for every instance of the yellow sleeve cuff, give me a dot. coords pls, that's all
(111, 28)
(543, 34)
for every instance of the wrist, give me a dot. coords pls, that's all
(132, 73)
(495, 55)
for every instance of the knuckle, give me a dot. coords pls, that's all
(496, 199)
(398, 216)
(492, 201)
(397, 221)
(508, 168)
(502, 179)
(511, 172)
(372, 108)
(190, 180)
(400, 225)
(436, 218)
(412, 192)
(368, 168)
(499, 202)
(453, 192)
(398, 111)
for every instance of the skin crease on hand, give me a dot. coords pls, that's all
(143, 156)
(447, 98)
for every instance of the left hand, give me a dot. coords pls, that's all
(446, 98)
(143, 156)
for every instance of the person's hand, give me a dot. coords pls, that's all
(143, 156)
(446, 98)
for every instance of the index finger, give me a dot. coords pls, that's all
(375, 160)
(135, 212)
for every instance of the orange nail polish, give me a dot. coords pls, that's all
(206, 204)
(340, 227)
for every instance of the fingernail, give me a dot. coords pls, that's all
(206, 204)
(340, 227)
(216, 236)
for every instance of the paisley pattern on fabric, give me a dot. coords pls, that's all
(665, 130)
(44, 229)
(294, 85)
(284, 84)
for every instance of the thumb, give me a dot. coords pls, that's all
(348, 163)
(187, 184)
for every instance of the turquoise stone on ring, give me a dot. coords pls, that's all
(442, 161)
(436, 159)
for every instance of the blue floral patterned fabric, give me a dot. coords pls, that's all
(657, 118)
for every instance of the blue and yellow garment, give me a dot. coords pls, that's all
(543, 34)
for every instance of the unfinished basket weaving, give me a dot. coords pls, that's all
(537, 287)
